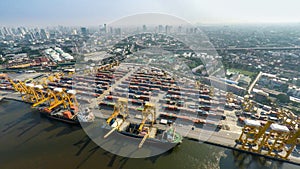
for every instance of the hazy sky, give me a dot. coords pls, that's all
(95, 12)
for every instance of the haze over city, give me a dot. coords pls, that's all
(95, 12)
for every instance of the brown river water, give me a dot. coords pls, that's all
(31, 141)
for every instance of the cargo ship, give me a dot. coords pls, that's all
(148, 135)
(69, 116)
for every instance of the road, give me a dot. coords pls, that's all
(254, 82)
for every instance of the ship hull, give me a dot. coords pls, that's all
(136, 139)
(59, 118)
(62, 119)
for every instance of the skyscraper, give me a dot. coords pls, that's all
(84, 31)
(144, 28)
(44, 34)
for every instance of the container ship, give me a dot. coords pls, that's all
(145, 134)
(69, 116)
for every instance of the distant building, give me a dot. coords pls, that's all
(44, 34)
(103, 29)
(118, 31)
(260, 95)
(84, 31)
(220, 84)
(41, 61)
(160, 28)
(244, 80)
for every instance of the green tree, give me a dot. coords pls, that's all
(283, 98)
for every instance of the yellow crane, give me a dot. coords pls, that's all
(293, 140)
(39, 92)
(60, 99)
(230, 97)
(288, 118)
(108, 66)
(28, 94)
(249, 133)
(149, 110)
(121, 107)
(269, 139)
(16, 86)
(211, 91)
(70, 96)
(50, 95)
(31, 95)
(29, 91)
(247, 104)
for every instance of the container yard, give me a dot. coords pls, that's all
(153, 101)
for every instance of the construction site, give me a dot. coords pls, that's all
(146, 102)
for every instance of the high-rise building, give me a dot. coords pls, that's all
(84, 30)
(118, 31)
(5, 31)
(179, 29)
(167, 29)
(52, 35)
(28, 37)
(37, 35)
(160, 28)
(21, 31)
(44, 34)
(144, 28)
(74, 32)
(105, 28)
(14, 31)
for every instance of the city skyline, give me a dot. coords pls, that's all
(92, 12)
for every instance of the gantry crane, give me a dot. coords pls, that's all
(108, 66)
(48, 96)
(247, 104)
(149, 110)
(28, 94)
(17, 87)
(288, 118)
(270, 139)
(31, 95)
(293, 140)
(251, 133)
(211, 91)
(70, 95)
(60, 99)
(29, 91)
(54, 98)
(230, 97)
(120, 108)
(274, 140)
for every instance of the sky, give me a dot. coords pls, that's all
(96, 12)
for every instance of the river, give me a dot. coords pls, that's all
(29, 140)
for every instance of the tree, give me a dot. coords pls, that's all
(283, 98)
